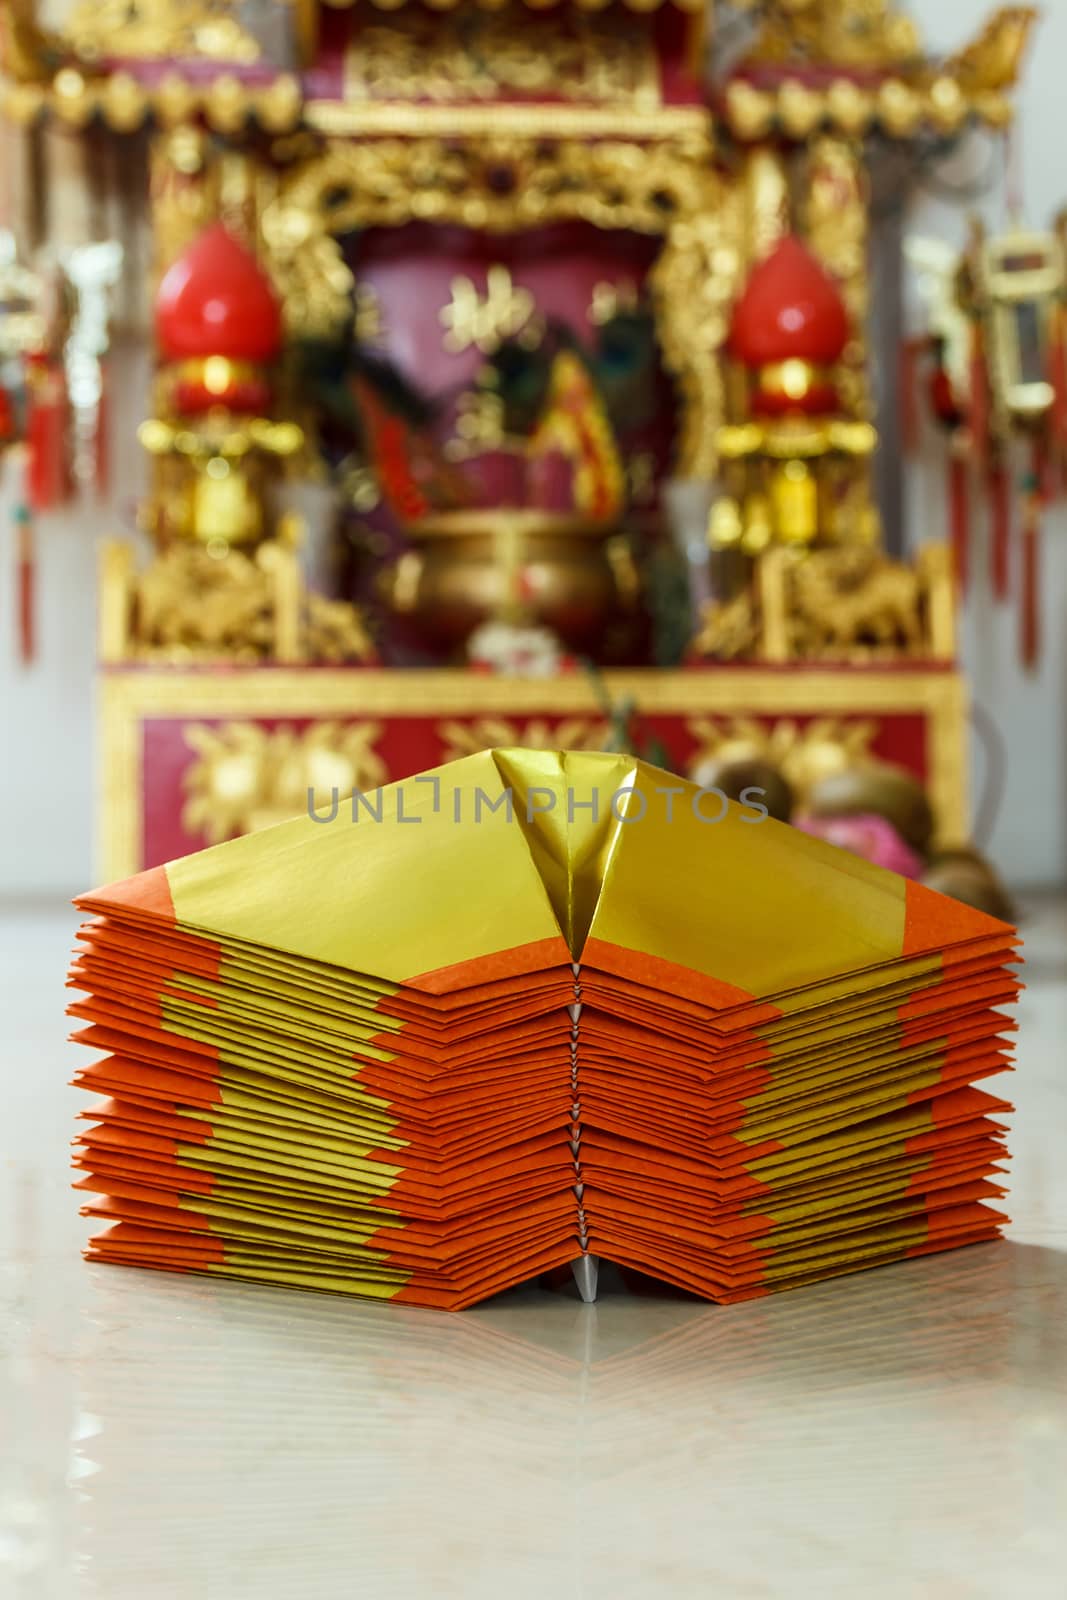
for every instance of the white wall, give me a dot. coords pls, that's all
(1030, 839)
(46, 709)
(46, 743)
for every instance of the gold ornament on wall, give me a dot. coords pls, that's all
(246, 777)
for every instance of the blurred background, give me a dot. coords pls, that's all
(487, 440)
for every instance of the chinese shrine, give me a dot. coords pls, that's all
(565, 313)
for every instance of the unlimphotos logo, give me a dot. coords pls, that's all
(408, 805)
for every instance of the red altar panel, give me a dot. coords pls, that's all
(191, 757)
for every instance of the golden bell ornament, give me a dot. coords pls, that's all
(947, 105)
(750, 111)
(224, 509)
(795, 502)
(800, 109)
(851, 108)
(125, 103)
(899, 108)
(175, 104)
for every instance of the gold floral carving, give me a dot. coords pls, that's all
(484, 733)
(315, 283)
(181, 192)
(226, 103)
(189, 606)
(160, 30)
(803, 753)
(502, 185)
(992, 60)
(533, 5)
(821, 51)
(505, 184)
(840, 33)
(766, 187)
(853, 598)
(836, 215)
(730, 630)
(474, 56)
(247, 777)
(846, 603)
(899, 107)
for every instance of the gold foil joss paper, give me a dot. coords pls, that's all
(534, 1009)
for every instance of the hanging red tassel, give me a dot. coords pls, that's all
(944, 402)
(8, 429)
(959, 516)
(48, 477)
(1000, 540)
(1057, 416)
(25, 585)
(980, 405)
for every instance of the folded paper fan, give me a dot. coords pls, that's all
(533, 1009)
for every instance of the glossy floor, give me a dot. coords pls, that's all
(902, 1433)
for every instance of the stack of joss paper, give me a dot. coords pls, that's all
(534, 1009)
